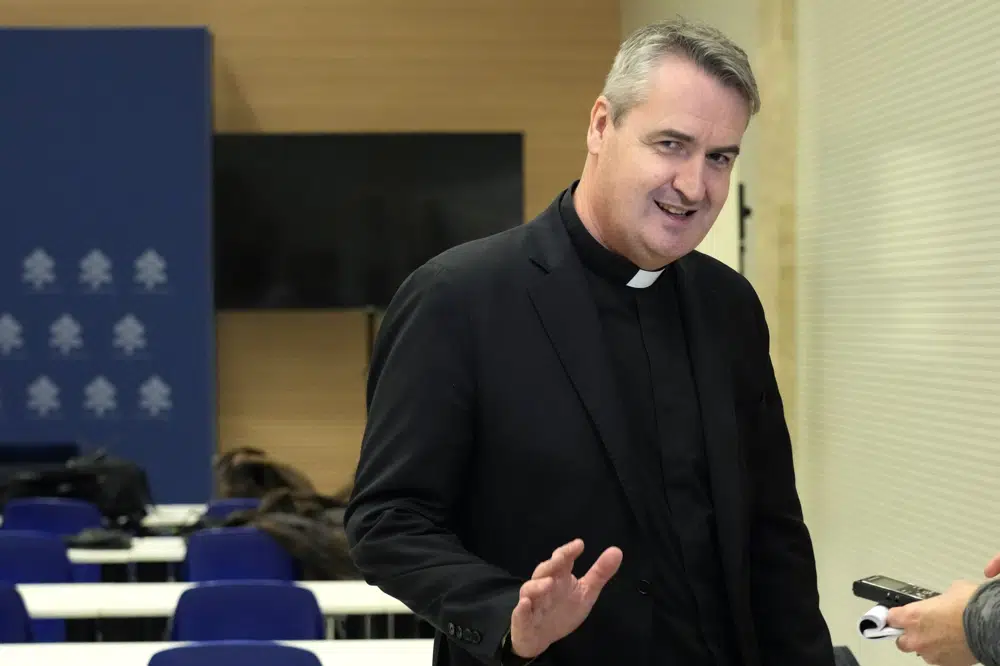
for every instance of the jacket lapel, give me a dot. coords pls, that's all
(715, 394)
(561, 297)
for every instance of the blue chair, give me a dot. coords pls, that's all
(237, 653)
(36, 557)
(220, 508)
(237, 553)
(15, 625)
(247, 610)
(56, 515)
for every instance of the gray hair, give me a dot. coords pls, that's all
(627, 82)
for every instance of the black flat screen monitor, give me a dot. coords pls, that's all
(335, 221)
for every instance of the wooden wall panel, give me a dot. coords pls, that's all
(772, 254)
(293, 382)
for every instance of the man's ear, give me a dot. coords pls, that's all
(600, 123)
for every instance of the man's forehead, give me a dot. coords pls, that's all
(682, 96)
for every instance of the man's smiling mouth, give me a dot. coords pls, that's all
(675, 211)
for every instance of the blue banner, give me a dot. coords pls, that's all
(106, 315)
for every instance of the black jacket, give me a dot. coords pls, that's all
(494, 436)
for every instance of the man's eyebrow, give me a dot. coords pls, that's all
(687, 138)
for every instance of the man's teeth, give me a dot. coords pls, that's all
(673, 210)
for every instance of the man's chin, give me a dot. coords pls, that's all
(669, 246)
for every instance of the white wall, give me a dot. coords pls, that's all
(899, 294)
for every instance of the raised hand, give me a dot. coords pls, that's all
(554, 602)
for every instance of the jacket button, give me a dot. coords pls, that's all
(476, 637)
(451, 629)
(467, 635)
(643, 586)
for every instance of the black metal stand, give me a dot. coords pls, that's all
(371, 316)
(745, 212)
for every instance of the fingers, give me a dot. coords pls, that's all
(904, 617)
(561, 562)
(604, 568)
(993, 568)
(521, 616)
(905, 643)
(535, 589)
(539, 593)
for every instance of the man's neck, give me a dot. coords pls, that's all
(583, 203)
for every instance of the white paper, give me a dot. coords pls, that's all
(872, 625)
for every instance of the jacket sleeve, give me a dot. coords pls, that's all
(783, 582)
(415, 461)
(982, 624)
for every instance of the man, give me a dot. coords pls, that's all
(576, 451)
(958, 628)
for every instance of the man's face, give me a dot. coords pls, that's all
(662, 175)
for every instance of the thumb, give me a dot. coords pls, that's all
(600, 573)
(904, 617)
(993, 568)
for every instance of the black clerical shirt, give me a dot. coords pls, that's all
(644, 332)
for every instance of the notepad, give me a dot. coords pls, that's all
(872, 625)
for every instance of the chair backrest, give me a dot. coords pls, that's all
(237, 553)
(56, 515)
(844, 657)
(220, 508)
(33, 557)
(15, 625)
(241, 653)
(247, 610)
(36, 557)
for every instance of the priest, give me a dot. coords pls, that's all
(575, 450)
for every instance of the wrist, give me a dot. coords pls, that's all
(508, 657)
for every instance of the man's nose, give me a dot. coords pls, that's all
(690, 179)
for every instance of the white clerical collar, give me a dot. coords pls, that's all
(643, 279)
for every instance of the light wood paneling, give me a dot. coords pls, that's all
(294, 382)
(772, 255)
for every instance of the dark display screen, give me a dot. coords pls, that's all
(888, 583)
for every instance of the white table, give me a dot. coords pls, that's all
(404, 652)
(101, 600)
(143, 549)
(169, 515)
(173, 515)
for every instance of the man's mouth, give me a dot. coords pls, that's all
(675, 212)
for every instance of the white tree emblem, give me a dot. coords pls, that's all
(154, 396)
(43, 396)
(100, 396)
(65, 334)
(10, 334)
(129, 334)
(95, 270)
(39, 269)
(150, 270)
